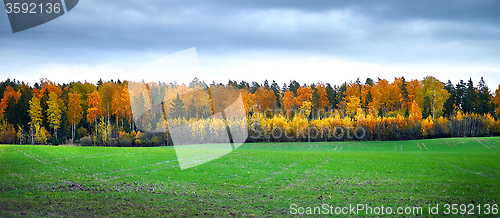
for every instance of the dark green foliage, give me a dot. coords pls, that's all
(315, 97)
(483, 100)
(244, 85)
(177, 108)
(294, 86)
(341, 93)
(45, 107)
(266, 84)
(427, 107)
(449, 105)
(82, 132)
(404, 91)
(139, 104)
(55, 141)
(276, 90)
(191, 111)
(3, 85)
(254, 87)
(369, 81)
(470, 97)
(369, 99)
(331, 94)
(460, 95)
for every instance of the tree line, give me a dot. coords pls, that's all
(101, 113)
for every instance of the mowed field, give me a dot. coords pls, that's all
(261, 179)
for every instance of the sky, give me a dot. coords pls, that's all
(308, 41)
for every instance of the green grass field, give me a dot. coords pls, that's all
(261, 179)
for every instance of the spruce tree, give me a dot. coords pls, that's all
(177, 109)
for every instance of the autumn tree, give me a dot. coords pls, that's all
(35, 113)
(322, 96)
(74, 111)
(385, 96)
(413, 88)
(40, 133)
(83, 89)
(367, 97)
(304, 93)
(352, 89)
(427, 126)
(353, 105)
(94, 111)
(248, 100)
(265, 98)
(469, 99)
(434, 90)
(276, 90)
(496, 99)
(331, 94)
(106, 91)
(121, 104)
(305, 109)
(7, 95)
(400, 88)
(54, 112)
(191, 110)
(415, 113)
(290, 102)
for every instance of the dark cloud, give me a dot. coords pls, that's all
(386, 31)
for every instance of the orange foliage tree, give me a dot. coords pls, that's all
(496, 99)
(94, 111)
(290, 102)
(9, 92)
(323, 98)
(304, 94)
(121, 104)
(265, 98)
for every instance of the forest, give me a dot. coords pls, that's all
(100, 114)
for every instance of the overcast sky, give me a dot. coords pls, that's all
(254, 40)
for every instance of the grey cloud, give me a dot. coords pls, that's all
(372, 30)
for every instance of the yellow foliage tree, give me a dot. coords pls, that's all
(35, 113)
(353, 105)
(54, 112)
(415, 113)
(40, 134)
(433, 89)
(427, 126)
